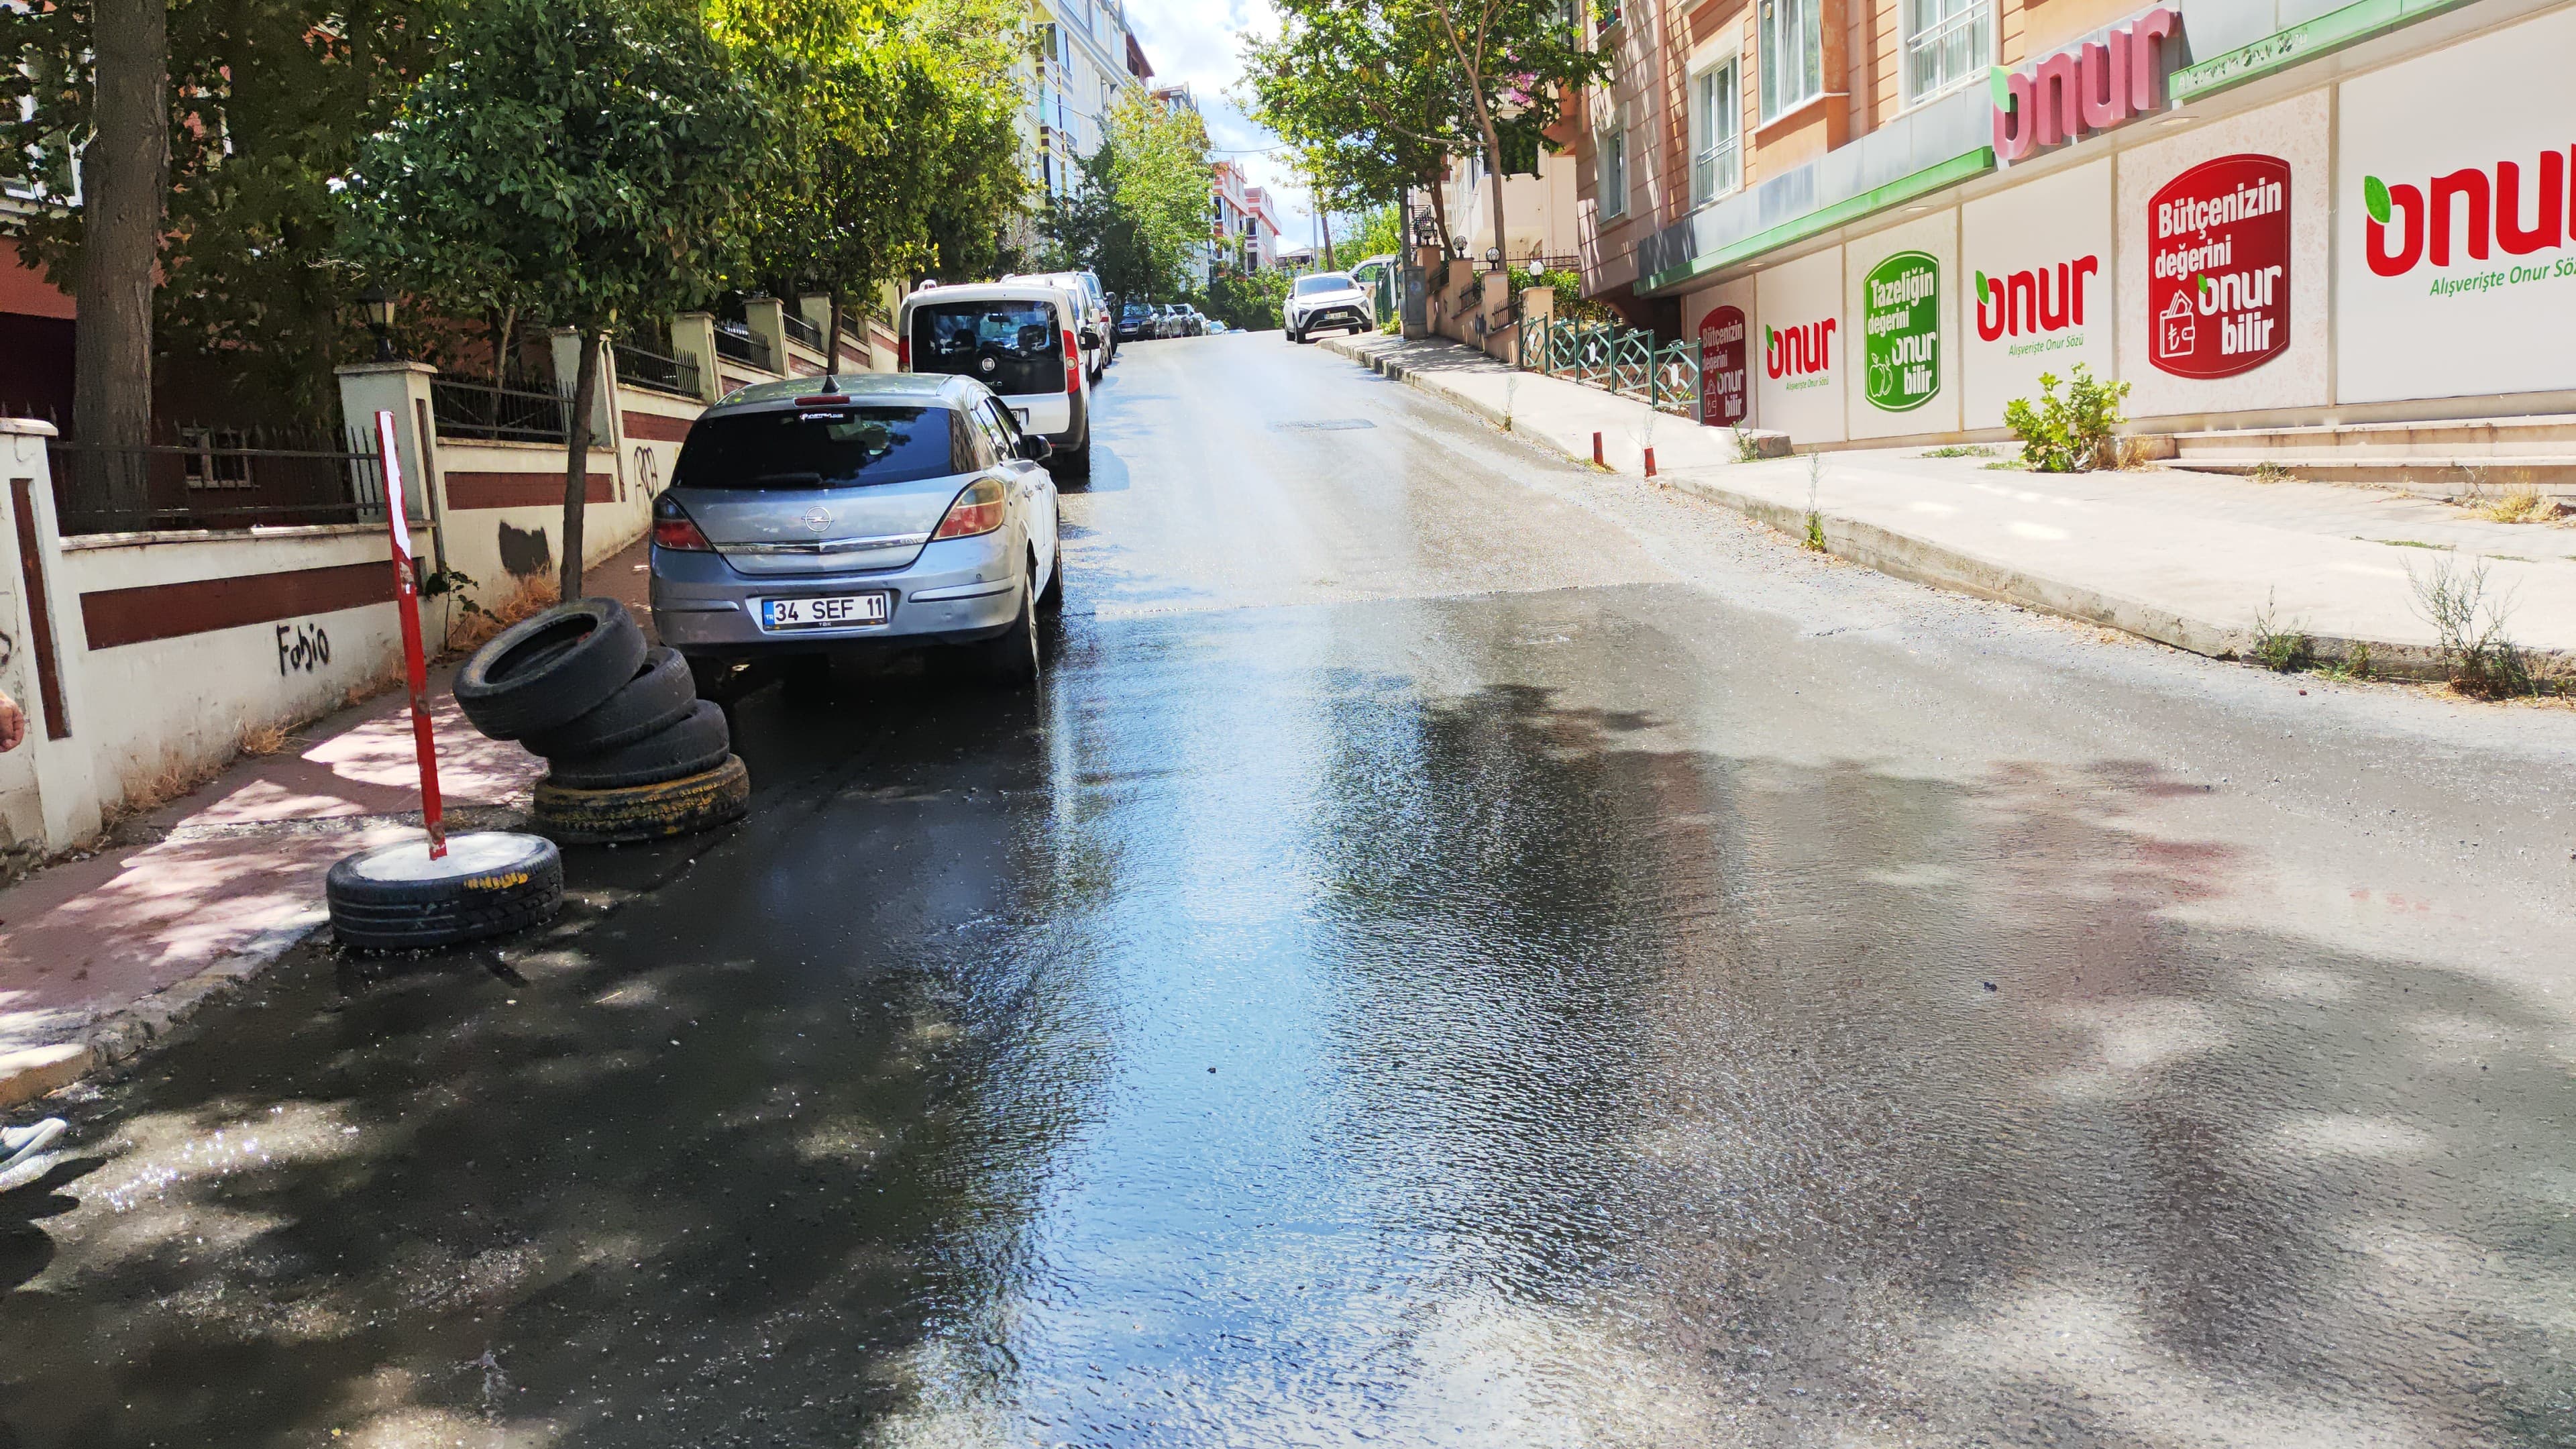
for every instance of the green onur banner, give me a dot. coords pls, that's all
(1901, 332)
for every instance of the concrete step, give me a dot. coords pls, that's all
(2428, 475)
(2546, 436)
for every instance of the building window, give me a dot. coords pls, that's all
(1716, 120)
(1947, 44)
(1611, 177)
(1793, 54)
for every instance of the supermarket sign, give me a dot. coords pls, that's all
(2093, 86)
(2218, 274)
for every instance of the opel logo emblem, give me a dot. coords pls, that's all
(817, 519)
(988, 364)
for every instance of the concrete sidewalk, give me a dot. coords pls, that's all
(2188, 559)
(104, 951)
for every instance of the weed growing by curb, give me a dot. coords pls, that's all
(2277, 649)
(1958, 450)
(2469, 627)
(1815, 538)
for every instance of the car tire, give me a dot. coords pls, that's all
(1051, 600)
(395, 898)
(549, 670)
(693, 746)
(661, 694)
(1010, 659)
(644, 812)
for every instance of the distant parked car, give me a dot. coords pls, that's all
(1021, 339)
(900, 512)
(1086, 285)
(1327, 299)
(1137, 321)
(1192, 323)
(1167, 320)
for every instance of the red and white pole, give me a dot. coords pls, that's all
(407, 605)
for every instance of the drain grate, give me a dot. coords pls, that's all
(1324, 425)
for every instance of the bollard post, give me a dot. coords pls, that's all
(1650, 462)
(1596, 452)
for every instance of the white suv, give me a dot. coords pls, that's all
(1328, 299)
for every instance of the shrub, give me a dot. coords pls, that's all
(2469, 627)
(2073, 434)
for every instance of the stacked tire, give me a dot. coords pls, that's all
(632, 752)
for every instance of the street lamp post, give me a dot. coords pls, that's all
(379, 310)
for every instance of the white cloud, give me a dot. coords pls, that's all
(1200, 42)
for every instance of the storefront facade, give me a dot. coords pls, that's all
(2364, 214)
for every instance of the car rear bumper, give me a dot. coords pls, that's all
(956, 591)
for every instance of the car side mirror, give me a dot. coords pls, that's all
(1036, 449)
(1090, 337)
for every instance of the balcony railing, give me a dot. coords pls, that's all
(676, 375)
(219, 478)
(802, 330)
(472, 410)
(737, 342)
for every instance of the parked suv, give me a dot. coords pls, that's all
(1024, 340)
(1327, 299)
(896, 511)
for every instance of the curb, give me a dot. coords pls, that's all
(1939, 566)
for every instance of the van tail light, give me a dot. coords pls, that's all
(903, 354)
(1072, 362)
(978, 510)
(675, 530)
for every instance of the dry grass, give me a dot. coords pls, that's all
(261, 741)
(528, 598)
(2518, 505)
(367, 689)
(151, 789)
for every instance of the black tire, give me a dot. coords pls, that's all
(1010, 658)
(644, 812)
(1051, 601)
(1075, 462)
(693, 746)
(1293, 337)
(661, 694)
(547, 671)
(396, 899)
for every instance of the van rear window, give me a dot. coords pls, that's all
(1014, 348)
(823, 447)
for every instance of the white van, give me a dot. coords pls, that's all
(1024, 340)
(1097, 309)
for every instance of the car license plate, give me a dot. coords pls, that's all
(832, 611)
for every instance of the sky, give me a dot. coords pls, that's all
(1201, 42)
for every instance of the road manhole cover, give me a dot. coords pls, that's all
(1325, 425)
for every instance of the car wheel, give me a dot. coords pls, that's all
(1051, 599)
(1074, 462)
(693, 746)
(551, 669)
(1011, 657)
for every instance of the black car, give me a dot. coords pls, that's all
(1136, 321)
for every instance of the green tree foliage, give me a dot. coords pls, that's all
(2072, 434)
(895, 133)
(268, 100)
(576, 160)
(1142, 209)
(1250, 302)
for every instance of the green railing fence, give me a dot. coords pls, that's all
(1622, 360)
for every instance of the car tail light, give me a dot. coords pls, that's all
(978, 510)
(1072, 362)
(903, 354)
(673, 529)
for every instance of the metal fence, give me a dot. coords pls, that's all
(798, 327)
(1623, 360)
(216, 478)
(476, 410)
(736, 341)
(640, 368)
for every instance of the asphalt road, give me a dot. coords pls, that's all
(1461, 950)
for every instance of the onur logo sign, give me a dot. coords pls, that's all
(1804, 352)
(2218, 288)
(2471, 213)
(2034, 301)
(1901, 332)
(1721, 367)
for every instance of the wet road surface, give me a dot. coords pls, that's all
(1461, 950)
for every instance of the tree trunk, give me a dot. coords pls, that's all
(1494, 168)
(832, 344)
(501, 356)
(125, 181)
(577, 460)
(1440, 218)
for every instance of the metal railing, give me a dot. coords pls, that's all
(463, 408)
(802, 330)
(676, 375)
(1626, 361)
(216, 479)
(737, 342)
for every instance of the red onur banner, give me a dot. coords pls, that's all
(1722, 399)
(407, 607)
(2218, 282)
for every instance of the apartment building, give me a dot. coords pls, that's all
(36, 321)
(1884, 220)
(1243, 237)
(1087, 57)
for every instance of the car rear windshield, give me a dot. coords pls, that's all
(1010, 347)
(821, 447)
(1328, 282)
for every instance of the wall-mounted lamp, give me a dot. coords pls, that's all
(379, 310)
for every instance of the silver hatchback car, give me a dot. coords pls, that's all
(828, 515)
